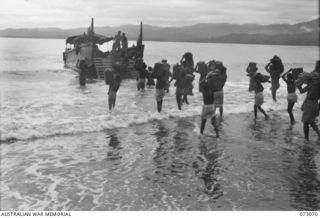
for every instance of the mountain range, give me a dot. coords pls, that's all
(304, 33)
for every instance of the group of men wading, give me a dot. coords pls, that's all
(213, 77)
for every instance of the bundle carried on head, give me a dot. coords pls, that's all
(158, 69)
(202, 67)
(211, 64)
(219, 66)
(252, 68)
(255, 77)
(296, 72)
(308, 78)
(188, 60)
(188, 56)
(214, 81)
(166, 66)
(276, 65)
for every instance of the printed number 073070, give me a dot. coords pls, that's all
(308, 213)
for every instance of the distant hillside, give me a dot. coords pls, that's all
(280, 39)
(305, 33)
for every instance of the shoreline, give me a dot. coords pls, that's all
(252, 166)
(273, 114)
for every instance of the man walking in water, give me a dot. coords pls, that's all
(180, 76)
(310, 105)
(187, 64)
(113, 80)
(83, 71)
(202, 69)
(167, 74)
(275, 68)
(141, 66)
(141, 80)
(255, 85)
(208, 108)
(217, 78)
(150, 81)
(292, 96)
(162, 76)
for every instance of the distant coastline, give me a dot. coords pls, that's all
(300, 34)
(154, 40)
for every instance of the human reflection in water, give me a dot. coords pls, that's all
(181, 138)
(257, 130)
(289, 135)
(175, 147)
(114, 142)
(163, 152)
(305, 193)
(210, 170)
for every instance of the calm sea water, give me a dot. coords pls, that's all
(73, 154)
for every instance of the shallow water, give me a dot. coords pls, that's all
(62, 150)
(39, 98)
(166, 165)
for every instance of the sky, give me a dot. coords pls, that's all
(77, 13)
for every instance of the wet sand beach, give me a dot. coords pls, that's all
(167, 165)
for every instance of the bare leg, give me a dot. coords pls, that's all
(255, 110)
(109, 103)
(315, 128)
(159, 105)
(215, 126)
(221, 111)
(274, 93)
(203, 124)
(306, 131)
(114, 101)
(290, 107)
(178, 98)
(264, 113)
(185, 99)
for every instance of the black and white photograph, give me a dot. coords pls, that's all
(159, 105)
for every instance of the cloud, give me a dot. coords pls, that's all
(77, 13)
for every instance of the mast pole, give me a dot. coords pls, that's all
(92, 26)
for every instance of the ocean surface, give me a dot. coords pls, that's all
(61, 149)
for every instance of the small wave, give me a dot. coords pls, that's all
(103, 124)
(81, 128)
